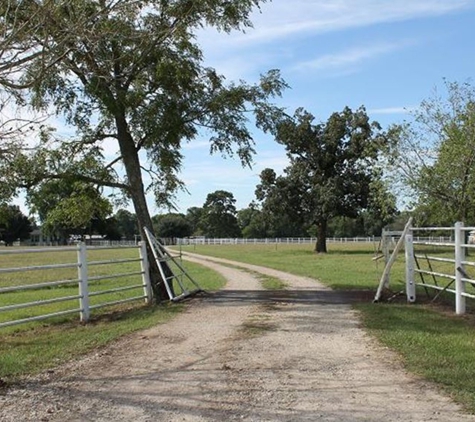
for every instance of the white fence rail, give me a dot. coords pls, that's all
(440, 265)
(287, 240)
(83, 281)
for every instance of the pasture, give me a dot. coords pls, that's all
(432, 342)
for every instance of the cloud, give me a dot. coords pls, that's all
(281, 19)
(347, 59)
(276, 161)
(196, 145)
(392, 110)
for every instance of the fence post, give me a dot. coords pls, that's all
(386, 253)
(83, 283)
(459, 258)
(144, 265)
(410, 285)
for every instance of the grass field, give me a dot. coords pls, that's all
(32, 347)
(432, 341)
(347, 266)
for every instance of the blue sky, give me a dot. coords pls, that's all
(387, 55)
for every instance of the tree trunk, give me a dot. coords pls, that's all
(131, 162)
(321, 245)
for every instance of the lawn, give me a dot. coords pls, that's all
(347, 266)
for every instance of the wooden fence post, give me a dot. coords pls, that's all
(83, 283)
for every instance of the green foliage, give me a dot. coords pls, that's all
(172, 225)
(130, 75)
(334, 171)
(139, 80)
(126, 224)
(434, 156)
(14, 225)
(68, 207)
(193, 216)
(253, 223)
(219, 215)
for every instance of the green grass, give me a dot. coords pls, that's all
(347, 266)
(48, 345)
(431, 340)
(434, 345)
(272, 283)
(36, 346)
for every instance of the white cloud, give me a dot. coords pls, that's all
(196, 145)
(392, 110)
(283, 18)
(277, 162)
(347, 59)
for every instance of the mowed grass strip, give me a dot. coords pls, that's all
(36, 346)
(431, 340)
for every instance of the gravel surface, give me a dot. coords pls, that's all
(242, 354)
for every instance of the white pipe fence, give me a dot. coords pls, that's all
(452, 276)
(285, 240)
(83, 281)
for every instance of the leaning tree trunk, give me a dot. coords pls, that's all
(321, 245)
(131, 162)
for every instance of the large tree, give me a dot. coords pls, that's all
(333, 169)
(435, 156)
(130, 73)
(126, 224)
(253, 222)
(172, 225)
(14, 225)
(219, 215)
(67, 207)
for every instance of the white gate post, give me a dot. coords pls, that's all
(410, 285)
(144, 265)
(459, 258)
(385, 251)
(83, 283)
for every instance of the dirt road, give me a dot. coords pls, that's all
(242, 354)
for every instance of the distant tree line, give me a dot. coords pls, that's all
(343, 179)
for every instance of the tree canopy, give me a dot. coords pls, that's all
(172, 225)
(333, 170)
(434, 156)
(219, 215)
(14, 225)
(66, 208)
(130, 74)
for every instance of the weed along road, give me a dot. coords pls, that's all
(244, 353)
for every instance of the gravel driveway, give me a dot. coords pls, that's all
(242, 354)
